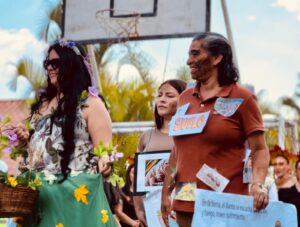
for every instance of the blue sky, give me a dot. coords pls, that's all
(266, 37)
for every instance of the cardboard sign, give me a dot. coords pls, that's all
(182, 124)
(227, 210)
(226, 106)
(212, 178)
(152, 203)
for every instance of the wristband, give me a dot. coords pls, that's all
(262, 187)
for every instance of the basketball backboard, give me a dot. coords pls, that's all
(92, 21)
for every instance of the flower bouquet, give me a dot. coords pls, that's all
(110, 152)
(18, 195)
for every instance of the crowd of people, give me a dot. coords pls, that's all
(67, 125)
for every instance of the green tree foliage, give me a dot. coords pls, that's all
(183, 73)
(33, 72)
(266, 107)
(130, 101)
(54, 21)
(127, 143)
(292, 102)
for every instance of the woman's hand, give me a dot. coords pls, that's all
(261, 197)
(104, 166)
(21, 132)
(165, 207)
(135, 223)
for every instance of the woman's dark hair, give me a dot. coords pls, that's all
(126, 187)
(180, 86)
(217, 44)
(73, 78)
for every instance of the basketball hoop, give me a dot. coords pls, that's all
(118, 28)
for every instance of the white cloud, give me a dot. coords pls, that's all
(251, 18)
(15, 45)
(290, 5)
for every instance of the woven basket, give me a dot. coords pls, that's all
(17, 202)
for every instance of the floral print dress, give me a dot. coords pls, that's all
(80, 199)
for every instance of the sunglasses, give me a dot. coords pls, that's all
(55, 63)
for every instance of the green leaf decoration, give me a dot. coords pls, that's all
(27, 125)
(22, 180)
(3, 177)
(115, 180)
(4, 141)
(6, 119)
(84, 94)
(17, 152)
(36, 183)
(102, 149)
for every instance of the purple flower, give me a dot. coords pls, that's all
(7, 149)
(93, 91)
(13, 138)
(115, 156)
(70, 44)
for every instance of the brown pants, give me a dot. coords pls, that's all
(184, 219)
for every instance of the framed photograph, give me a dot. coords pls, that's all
(150, 169)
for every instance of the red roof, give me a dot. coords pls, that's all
(18, 111)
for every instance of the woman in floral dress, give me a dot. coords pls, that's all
(68, 120)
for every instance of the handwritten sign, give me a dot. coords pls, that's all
(182, 124)
(212, 178)
(227, 210)
(152, 203)
(226, 106)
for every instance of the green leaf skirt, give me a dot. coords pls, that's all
(79, 201)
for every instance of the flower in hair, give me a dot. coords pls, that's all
(93, 91)
(69, 44)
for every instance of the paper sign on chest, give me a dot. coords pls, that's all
(185, 124)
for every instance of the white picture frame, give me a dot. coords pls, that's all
(149, 170)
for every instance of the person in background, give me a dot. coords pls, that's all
(113, 197)
(284, 179)
(68, 120)
(127, 215)
(121, 206)
(233, 117)
(158, 138)
(292, 194)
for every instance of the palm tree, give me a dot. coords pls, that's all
(131, 101)
(183, 73)
(33, 72)
(266, 107)
(46, 31)
(292, 101)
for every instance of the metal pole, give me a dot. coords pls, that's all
(167, 58)
(228, 30)
(281, 132)
(93, 63)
